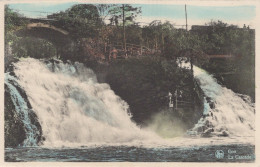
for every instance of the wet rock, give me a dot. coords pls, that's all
(212, 105)
(200, 129)
(207, 133)
(224, 134)
(14, 127)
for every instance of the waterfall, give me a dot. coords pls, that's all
(23, 111)
(225, 112)
(72, 107)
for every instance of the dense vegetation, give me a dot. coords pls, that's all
(27, 46)
(237, 73)
(144, 83)
(94, 27)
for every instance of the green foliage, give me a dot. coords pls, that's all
(144, 83)
(134, 34)
(84, 11)
(12, 20)
(24, 47)
(84, 21)
(116, 14)
(154, 34)
(222, 38)
(81, 20)
(12, 23)
(103, 10)
(238, 72)
(33, 47)
(213, 39)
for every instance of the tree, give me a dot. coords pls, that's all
(13, 22)
(16, 47)
(33, 47)
(222, 38)
(134, 34)
(81, 20)
(103, 10)
(126, 13)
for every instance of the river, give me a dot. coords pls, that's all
(83, 120)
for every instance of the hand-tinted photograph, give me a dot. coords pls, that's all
(88, 82)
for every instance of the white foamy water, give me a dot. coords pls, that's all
(21, 108)
(230, 113)
(73, 108)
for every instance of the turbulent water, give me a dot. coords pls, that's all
(21, 107)
(225, 112)
(83, 120)
(75, 110)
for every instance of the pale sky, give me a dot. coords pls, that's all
(197, 15)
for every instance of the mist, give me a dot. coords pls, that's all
(166, 124)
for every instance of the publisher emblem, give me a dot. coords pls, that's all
(219, 154)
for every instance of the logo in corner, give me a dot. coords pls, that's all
(219, 154)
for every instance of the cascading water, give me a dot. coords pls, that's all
(72, 107)
(93, 124)
(225, 112)
(21, 107)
